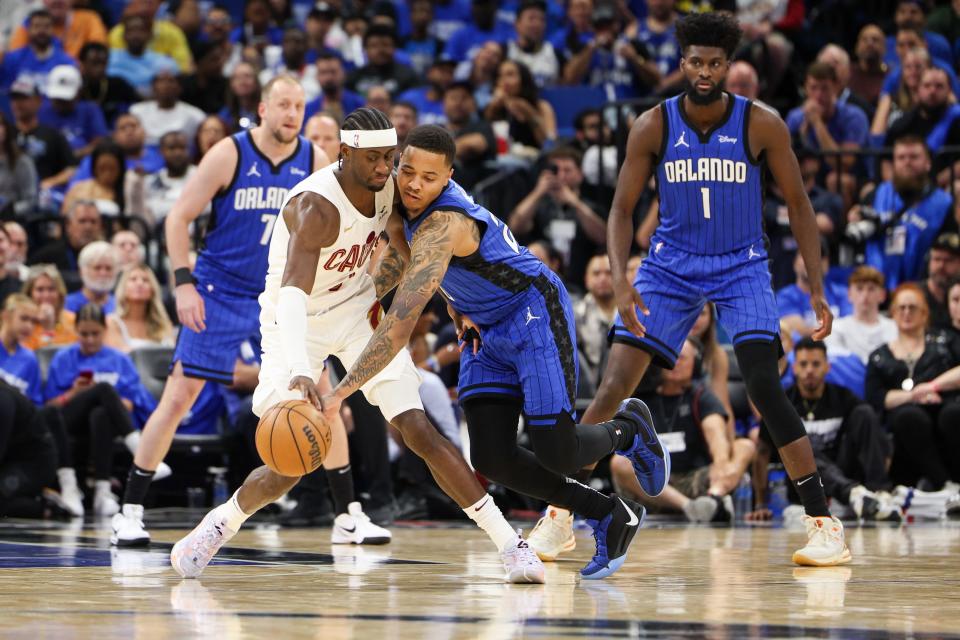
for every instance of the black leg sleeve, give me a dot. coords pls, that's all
(758, 363)
(566, 447)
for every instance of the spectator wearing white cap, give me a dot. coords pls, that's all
(80, 121)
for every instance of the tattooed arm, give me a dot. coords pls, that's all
(430, 252)
(394, 260)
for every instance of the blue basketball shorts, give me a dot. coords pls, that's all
(530, 354)
(230, 319)
(675, 284)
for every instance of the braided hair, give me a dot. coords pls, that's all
(364, 119)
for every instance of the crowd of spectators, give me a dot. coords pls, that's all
(107, 106)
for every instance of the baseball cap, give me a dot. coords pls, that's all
(948, 242)
(24, 86)
(64, 82)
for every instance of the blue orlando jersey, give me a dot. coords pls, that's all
(108, 365)
(491, 283)
(234, 254)
(21, 370)
(709, 184)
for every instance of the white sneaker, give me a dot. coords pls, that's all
(553, 534)
(163, 471)
(521, 564)
(106, 504)
(354, 527)
(128, 530)
(825, 543)
(193, 552)
(72, 500)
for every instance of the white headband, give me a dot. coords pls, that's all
(369, 139)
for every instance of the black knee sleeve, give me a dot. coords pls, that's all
(492, 445)
(758, 364)
(557, 445)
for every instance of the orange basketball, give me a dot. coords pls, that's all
(293, 438)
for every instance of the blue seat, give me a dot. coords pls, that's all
(567, 102)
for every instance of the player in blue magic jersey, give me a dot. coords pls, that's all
(707, 149)
(520, 311)
(246, 176)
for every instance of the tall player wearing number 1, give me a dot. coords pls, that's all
(707, 147)
(245, 178)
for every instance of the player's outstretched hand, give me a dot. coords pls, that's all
(190, 308)
(309, 390)
(824, 316)
(628, 301)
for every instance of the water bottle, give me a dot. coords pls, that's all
(743, 498)
(221, 492)
(777, 499)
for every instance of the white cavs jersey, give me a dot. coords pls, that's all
(342, 269)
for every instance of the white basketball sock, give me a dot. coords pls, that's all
(231, 512)
(488, 517)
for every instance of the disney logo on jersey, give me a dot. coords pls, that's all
(297, 171)
(249, 198)
(723, 138)
(705, 170)
(353, 258)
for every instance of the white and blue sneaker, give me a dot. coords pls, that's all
(613, 535)
(650, 458)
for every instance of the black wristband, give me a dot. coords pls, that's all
(183, 276)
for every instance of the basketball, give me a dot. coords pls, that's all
(293, 438)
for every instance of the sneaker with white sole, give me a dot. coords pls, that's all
(553, 534)
(193, 552)
(106, 504)
(354, 527)
(825, 546)
(128, 530)
(521, 564)
(72, 499)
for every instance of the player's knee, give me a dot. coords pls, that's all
(557, 445)
(418, 434)
(180, 393)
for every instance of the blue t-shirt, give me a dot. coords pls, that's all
(80, 127)
(151, 162)
(76, 300)
(422, 53)
(23, 62)
(465, 42)
(663, 47)
(351, 101)
(449, 17)
(614, 74)
(428, 111)
(274, 35)
(848, 124)
(139, 70)
(901, 254)
(21, 370)
(237, 404)
(937, 45)
(561, 41)
(108, 365)
(846, 370)
(792, 301)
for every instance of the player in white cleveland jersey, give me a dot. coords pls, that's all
(317, 302)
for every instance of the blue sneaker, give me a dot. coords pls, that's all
(613, 535)
(650, 458)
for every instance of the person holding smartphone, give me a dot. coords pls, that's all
(96, 388)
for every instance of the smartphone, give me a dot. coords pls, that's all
(86, 374)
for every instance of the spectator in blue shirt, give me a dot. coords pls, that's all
(658, 33)
(38, 58)
(96, 388)
(135, 63)
(483, 27)
(258, 29)
(911, 14)
(128, 134)
(822, 123)
(422, 46)
(334, 97)
(577, 33)
(793, 301)
(449, 16)
(618, 65)
(908, 41)
(18, 365)
(98, 271)
(428, 99)
(80, 121)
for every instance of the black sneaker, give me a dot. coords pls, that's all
(613, 535)
(311, 511)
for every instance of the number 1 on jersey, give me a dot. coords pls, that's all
(705, 192)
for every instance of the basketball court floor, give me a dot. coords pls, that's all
(444, 582)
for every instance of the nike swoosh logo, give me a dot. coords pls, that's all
(483, 505)
(800, 482)
(350, 530)
(143, 475)
(634, 520)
